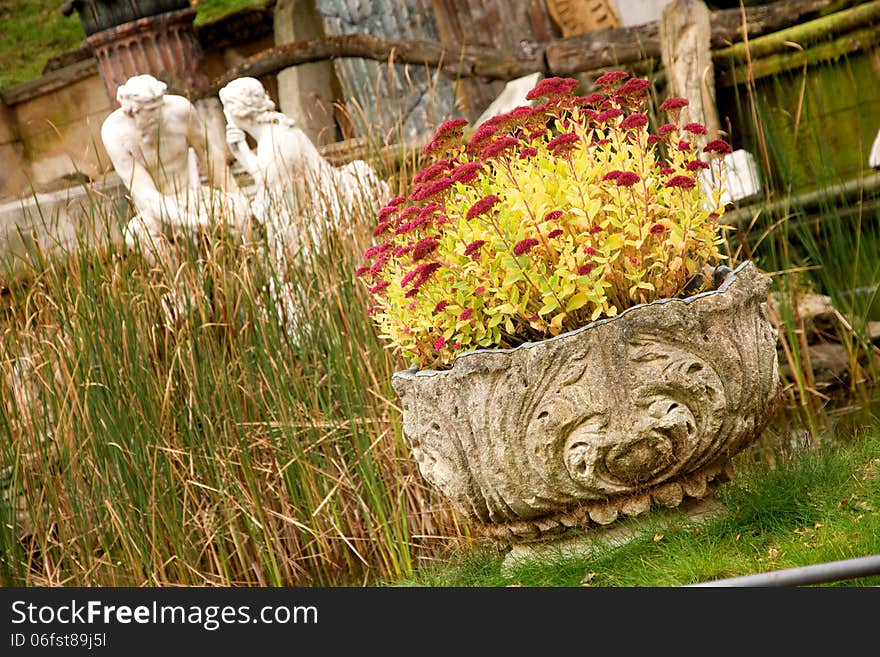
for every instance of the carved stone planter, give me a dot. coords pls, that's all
(643, 409)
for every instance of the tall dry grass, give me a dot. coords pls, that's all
(174, 420)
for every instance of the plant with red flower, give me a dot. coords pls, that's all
(542, 220)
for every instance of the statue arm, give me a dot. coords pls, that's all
(238, 146)
(212, 160)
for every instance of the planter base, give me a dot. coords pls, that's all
(594, 515)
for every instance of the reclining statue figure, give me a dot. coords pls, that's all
(158, 146)
(299, 194)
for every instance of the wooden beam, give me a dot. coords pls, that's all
(802, 34)
(593, 50)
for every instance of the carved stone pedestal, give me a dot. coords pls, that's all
(164, 45)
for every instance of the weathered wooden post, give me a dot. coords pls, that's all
(685, 41)
(685, 31)
(307, 92)
(384, 97)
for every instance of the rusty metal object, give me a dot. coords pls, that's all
(582, 16)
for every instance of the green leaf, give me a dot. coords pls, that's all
(549, 307)
(577, 301)
(513, 278)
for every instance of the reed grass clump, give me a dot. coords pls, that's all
(167, 421)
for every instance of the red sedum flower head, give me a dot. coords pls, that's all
(429, 173)
(695, 128)
(474, 247)
(684, 182)
(465, 173)
(563, 143)
(482, 206)
(449, 131)
(552, 87)
(612, 175)
(583, 270)
(634, 121)
(609, 114)
(611, 78)
(674, 103)
(499, 147)
(718, 146)
(376, 250)
(696, 165)
(627, 179)
(524, 246)
(633, 87)
(429, 189)
(424, 247)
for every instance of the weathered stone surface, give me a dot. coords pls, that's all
(636, 505)
(670, 494)
(601, 415)
(603, 514)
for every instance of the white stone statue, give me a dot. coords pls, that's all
(298, 194)
(157, 144)
(874, 156)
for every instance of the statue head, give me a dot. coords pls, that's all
(246, 98)
(141, 98)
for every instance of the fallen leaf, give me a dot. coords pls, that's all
(658, 538)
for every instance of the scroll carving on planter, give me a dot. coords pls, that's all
(156, 143)
(298, 194)
(608, 414)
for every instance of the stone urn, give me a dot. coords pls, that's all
(644, 409)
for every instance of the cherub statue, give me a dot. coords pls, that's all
(298, 193)
(157, 144)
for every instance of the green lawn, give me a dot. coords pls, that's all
(33, 31)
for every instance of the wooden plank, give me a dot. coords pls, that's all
(388, 92)
(504, 25)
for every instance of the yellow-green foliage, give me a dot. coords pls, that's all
(544, 220)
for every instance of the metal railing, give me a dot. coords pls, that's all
(832, 571)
